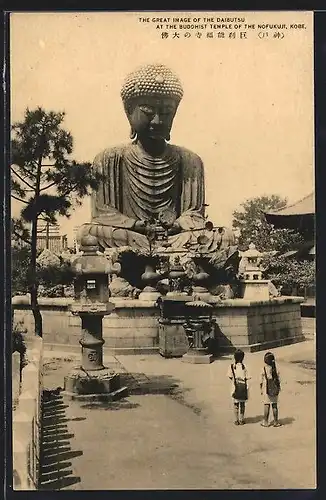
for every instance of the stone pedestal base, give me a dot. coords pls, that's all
(201, 293)
(149, 295)
(177, 295)
(93, 385)
(132, 328)
(173, 342)
(197, 357)
(255, 289)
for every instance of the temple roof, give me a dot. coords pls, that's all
(304, 206)
(298, 215)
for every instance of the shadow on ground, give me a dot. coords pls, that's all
(287, 420)
(121, 404)
(140, 384)
(260, 418)
(254, 420)
(56, 453)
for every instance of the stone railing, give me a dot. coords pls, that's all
(26, 430)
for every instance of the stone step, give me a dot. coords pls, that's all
(122, 392)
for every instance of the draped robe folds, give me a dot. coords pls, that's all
(137, 186)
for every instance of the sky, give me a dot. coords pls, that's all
(247, 108)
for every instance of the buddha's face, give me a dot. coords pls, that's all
(152, 117)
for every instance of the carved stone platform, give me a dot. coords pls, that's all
(95, 385)
(132, 327)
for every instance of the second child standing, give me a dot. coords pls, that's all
(238, 374)
(270, 387)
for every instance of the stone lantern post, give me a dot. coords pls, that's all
(92, 380)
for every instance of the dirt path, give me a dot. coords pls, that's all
(176, 430)
(153, 442)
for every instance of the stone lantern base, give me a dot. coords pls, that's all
(95, 385)
(255, 289)
(198, 356)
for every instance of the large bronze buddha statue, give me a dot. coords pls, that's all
(151, 182)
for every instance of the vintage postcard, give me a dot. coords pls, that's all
(163, 250)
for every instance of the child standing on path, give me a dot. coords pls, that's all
(270, 387)
(238, 375)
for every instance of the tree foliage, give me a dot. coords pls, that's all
(251, 223)
(44, 177)
(289, 273)
(48, 277)
(46, 180)
(20, 269)
(283, 271)
(61, 274)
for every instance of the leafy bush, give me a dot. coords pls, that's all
(51, 291)
(18, 342)
(55, 275)
(20, 259)
(51, 279)
(289, 272)
(250, 221)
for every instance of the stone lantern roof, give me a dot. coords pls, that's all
(252, 252)
(91, 261)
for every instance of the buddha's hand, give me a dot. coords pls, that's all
(140, 226)
(167, 218)
(174, 229)
(148, 228)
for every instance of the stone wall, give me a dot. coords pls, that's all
(131, 328)
(258, 325)
(15, 378)
(309, 327)
(133, 325)
(26, 428)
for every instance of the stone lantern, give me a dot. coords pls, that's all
(252, 266)
(253, 286)
(92, 380)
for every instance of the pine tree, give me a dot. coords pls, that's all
(45, 180)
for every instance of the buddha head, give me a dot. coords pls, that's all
(151, 96)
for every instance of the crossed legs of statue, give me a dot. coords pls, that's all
(109, 237)
(215, 245)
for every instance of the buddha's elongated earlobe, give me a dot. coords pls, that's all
(168, 137)
(133, 134)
